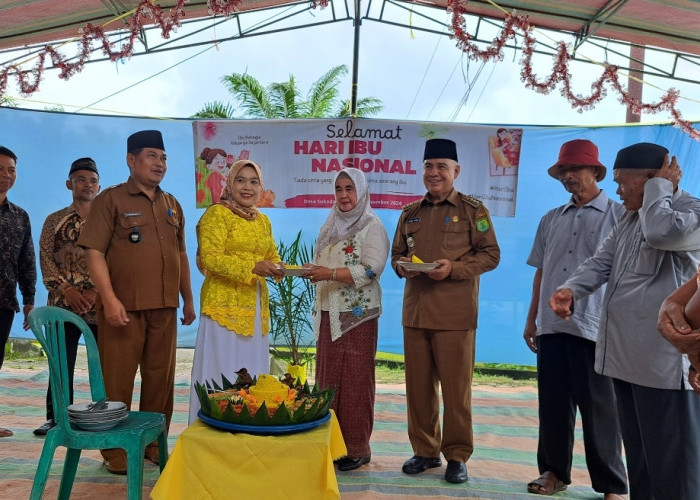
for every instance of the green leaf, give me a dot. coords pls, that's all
(261, 416)
(215, 109)
(282, 416)
(310, 414)
(204, 401)
(299, 415)
(215, 410)
(244, 417)
(226, 382)
(229, 414)
(328, 401)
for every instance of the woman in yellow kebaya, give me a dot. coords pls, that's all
(237, 252)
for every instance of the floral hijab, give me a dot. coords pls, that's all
(341, 225)
(248, 213)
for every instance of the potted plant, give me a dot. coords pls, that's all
(291, 303)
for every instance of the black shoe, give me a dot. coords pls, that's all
(416, 464)
(345, 464)
(48, 425)
(456, 472)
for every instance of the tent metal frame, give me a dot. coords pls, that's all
(483, 24)
(389, 12)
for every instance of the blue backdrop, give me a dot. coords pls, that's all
(46, 143)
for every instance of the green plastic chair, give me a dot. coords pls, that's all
(133, 434)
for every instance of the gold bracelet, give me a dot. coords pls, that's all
(333, 274)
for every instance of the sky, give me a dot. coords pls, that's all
(417, 75)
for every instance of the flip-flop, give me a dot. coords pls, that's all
(5, 433)
(547, 484)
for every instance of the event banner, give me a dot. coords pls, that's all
(299, 159)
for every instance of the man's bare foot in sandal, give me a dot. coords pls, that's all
(5, 433)
(547, 484)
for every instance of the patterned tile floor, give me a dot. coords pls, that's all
(505, 428)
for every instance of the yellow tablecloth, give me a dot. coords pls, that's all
(208, 463)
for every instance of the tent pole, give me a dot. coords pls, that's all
(355, 57)
(635, 85)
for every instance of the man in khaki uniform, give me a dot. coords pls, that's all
(136, 255)
(440, 307)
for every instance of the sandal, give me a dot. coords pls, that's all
(547, 484)
(5, 433)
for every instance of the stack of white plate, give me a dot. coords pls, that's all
(97, 417)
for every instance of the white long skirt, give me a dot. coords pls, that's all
(220, 351)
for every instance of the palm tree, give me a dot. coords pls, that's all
(215, 110)
(8, 101)
(284, 99)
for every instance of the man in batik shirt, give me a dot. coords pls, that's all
(17, 261)
(64, 266)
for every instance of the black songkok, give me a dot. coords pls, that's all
(145, 139)
(440, 148)
(641, 156)
(83, 164)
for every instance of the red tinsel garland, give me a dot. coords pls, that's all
(560, 69)
(148, 13)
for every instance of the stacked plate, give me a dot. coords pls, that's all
(99, 416)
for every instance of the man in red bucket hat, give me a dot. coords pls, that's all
(566, 236)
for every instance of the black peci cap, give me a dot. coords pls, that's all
(641, 156)
(83, 164)
(440, 148)
(145, 139)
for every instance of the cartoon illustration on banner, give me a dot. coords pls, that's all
(505, 151)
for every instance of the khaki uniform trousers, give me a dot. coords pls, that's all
(444, 358)
(148, 342)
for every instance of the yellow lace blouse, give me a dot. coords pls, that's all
(229, 247)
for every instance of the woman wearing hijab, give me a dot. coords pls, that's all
(237, 252)
(351, 251)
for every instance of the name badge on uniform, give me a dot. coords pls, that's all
(135, 235)
(132, 214)
(412, 220)
(410, 242)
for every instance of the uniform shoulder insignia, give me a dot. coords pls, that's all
(412, 205)
(470, 200)
(112, 187)
(171, 199)
(172, 204)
